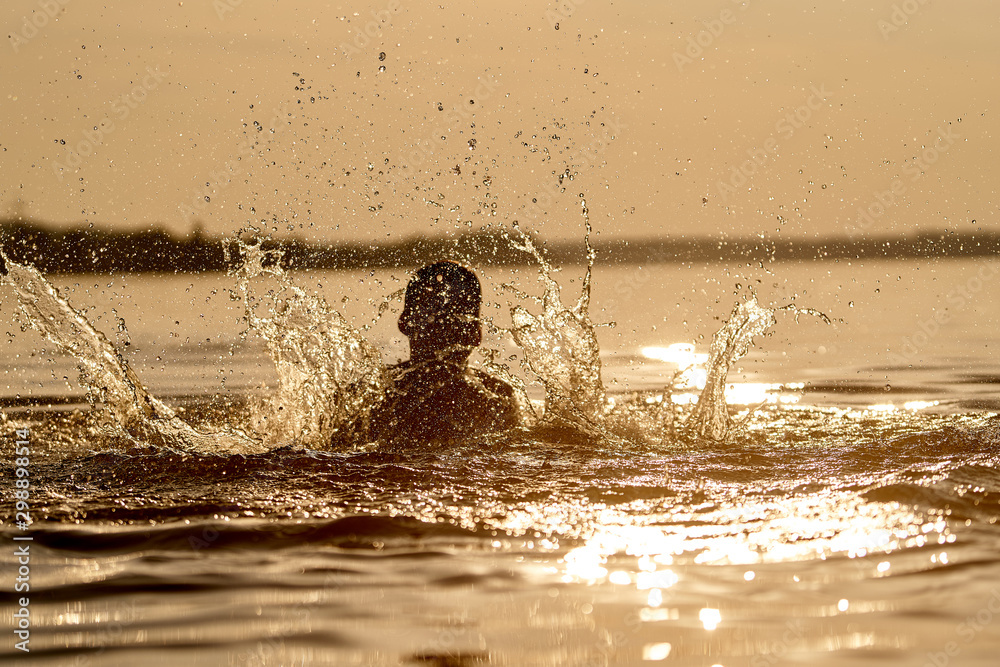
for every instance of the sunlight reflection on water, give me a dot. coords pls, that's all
(692, 374)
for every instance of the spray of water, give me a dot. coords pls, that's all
(710, 418)
(560, 347)
(329, 375)
(560, 350)
(105, 373)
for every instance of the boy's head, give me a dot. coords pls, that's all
(441, 308)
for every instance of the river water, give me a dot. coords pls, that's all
(852, 520)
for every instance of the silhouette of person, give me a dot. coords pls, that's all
(435, 395)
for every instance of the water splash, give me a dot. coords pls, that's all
(106, 374)
(560, 350)
(710, 418)
(560, 347)
(329, 375)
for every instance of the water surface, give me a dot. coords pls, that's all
(853, 521)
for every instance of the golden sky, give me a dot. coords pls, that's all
(361, 121)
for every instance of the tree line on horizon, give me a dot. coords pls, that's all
(93, 250)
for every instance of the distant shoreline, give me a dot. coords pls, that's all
(94, 251)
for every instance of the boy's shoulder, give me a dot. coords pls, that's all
(492, 383)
